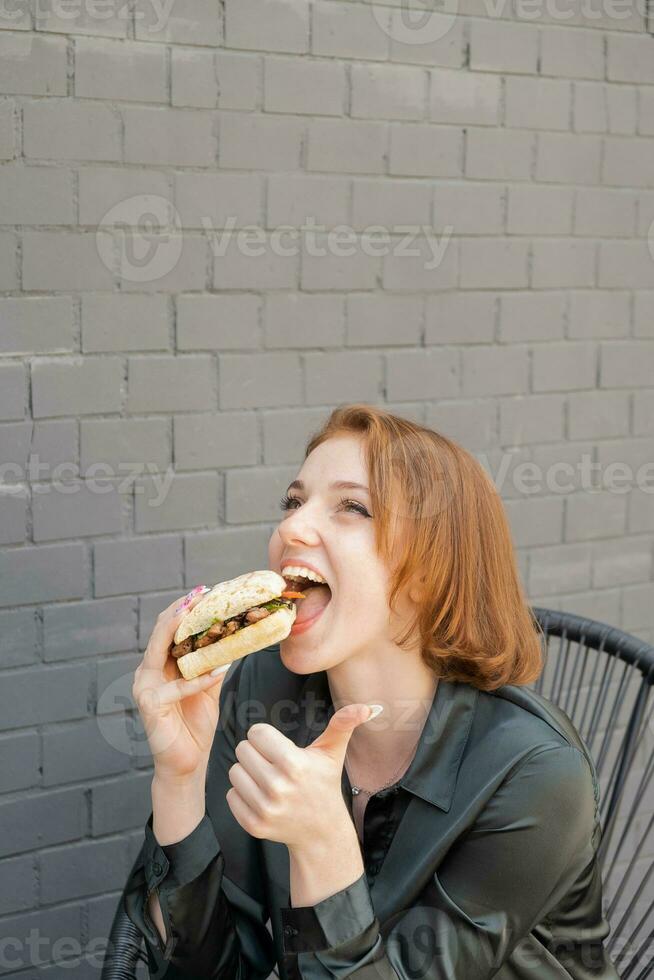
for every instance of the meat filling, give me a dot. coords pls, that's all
(219, 630)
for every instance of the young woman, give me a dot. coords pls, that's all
(451, 832)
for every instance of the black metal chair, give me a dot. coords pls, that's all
(601, 677)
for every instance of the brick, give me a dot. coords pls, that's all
(68, 130)
(601, 108)
(625, 264)
(629, 58)
(562, 463)
(377, 319)
(461, 318)
(641, 512)
(227, 322)
(179, 261)
(253, 494)
(624, 168)
(347, 146)
(137, 565)
(298, 86)
(82, 869)
(397, 203)
(36, 195)
(493, 263)
(116, 668)
(19, 884)
(102, 188)
(300, 320)
(115, 677)
(256, 262)
(214, 79)
(54, 260)
(347, 376)
(532, 315)
(47, 926)
(259, 380)
(7, 130)
(226, 553)
(42, 574)
(534, 521)
(18, 637)
(178, 137)
(341, 260)
(564, 367)
(540, 210)
(88, 629)
(429, 373)
(638, 606)
(614, 455)
(171, 384)
(242, 137)
(76, 386)
(42, 819)
(420, 263)
(183, 501)
(595, 515)
(13, 516)
(113, 322)
(572, 54)
(388, 92)
(559, 262)
(15, 442)
(644, 413)
(37, 325)
(81, 19)
(123, 444)
(120, 804)
(19, 761)
(565, 158)
(211, 441)
(504, 47)
(460, 96)
(644, 314)
(346, 30)
(44, 695)
(287, 433)
(598, 414)
(560, 568)
(295, 200)
(218, 200)
(494, 371)
(85, 750)
(535, 418)
(538, 103)
(13, 391)
(470, 423)
(425, 151)
(280, 25)
(8, 262)
(185, 22)
(499, 154)
(604, 212)
(469, 208)
(124, 70)
(626, 364)
(598, 313)
(74, 509)
(32, 65)
(443, 45)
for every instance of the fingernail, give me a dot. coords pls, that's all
(375, 709)
(220, 670)
(189, 596)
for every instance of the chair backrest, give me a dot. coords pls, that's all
(601, 677)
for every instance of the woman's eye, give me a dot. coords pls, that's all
(288, 503)
(355, 505)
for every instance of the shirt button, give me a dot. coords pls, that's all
(156, 867)
(290, 931)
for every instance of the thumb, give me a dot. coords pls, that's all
(334, 740)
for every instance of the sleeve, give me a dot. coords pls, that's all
(513, 865)
(214, 930)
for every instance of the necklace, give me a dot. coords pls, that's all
(370, 792)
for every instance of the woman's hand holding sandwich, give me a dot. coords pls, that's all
(179, 716)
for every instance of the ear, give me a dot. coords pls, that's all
(416, 589)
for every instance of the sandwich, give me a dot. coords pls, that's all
(235, 618)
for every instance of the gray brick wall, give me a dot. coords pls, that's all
(160, 375)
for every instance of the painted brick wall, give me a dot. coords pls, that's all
(148, 350)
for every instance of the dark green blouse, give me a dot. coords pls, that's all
(479, 862)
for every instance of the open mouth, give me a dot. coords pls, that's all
(317, 596)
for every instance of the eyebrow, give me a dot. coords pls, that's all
(337, 485)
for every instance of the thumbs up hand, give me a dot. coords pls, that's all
(293, 795)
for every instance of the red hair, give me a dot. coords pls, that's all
(440, 525)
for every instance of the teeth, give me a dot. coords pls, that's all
(299, 571)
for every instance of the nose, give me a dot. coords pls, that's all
(299, 527)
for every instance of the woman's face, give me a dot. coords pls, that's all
(332, 528)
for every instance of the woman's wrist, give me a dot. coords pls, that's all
(178, 806)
